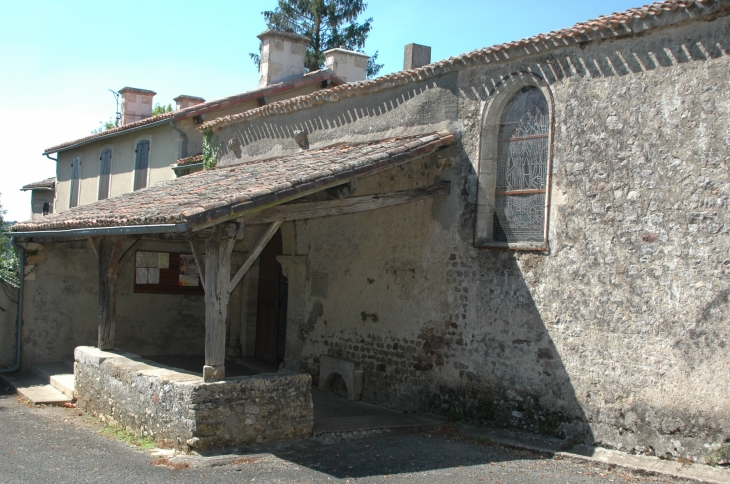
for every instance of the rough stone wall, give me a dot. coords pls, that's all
(177, 408)
(61, 306)
(8, 310)
(617, 334)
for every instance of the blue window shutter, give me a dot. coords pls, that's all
(141, 165)
(105, 173)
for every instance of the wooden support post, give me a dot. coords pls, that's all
(218, 251)
(198, 262)
(109, 250)
(255, 254)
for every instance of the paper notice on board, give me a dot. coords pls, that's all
(163, 260)
(141, 275)
(188, 275)
(146, 259)
(186, 280)
(153, 276)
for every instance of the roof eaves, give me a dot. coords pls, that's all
(127, 128)
(226, 102)
(611, 26)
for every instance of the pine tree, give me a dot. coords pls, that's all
(329, 23)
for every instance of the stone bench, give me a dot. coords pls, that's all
(329, 366)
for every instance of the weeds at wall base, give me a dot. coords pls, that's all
(116, 432)
(719, 454)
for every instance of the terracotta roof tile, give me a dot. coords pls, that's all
(618, 23)
(190, 160)
(198, 109)
(47, 184)
(211, 195)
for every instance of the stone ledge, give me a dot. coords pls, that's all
(179, 409)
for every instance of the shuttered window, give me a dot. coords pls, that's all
(75, 182)
(141, 164)
(105, 173)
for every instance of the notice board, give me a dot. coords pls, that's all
(166, 273)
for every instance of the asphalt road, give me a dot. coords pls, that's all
(58, 445)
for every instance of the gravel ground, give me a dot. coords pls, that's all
(59, 445)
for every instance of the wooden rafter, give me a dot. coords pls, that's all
(305, 210)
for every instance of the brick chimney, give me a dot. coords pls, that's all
(183, 101)
(136, 104)
(282, 56)
(348, 65)
(415, 55)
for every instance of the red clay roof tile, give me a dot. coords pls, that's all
(559, 38)
(198, 109)
(211, 195)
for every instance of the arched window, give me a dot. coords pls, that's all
(522, 163)
(514, 168)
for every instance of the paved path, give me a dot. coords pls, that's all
(43, 445)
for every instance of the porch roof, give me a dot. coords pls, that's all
(47, 184)
(210, 196)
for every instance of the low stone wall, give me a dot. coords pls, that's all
(178, 408)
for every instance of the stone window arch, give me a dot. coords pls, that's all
(514, 165)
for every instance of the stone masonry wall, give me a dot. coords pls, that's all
(179, 409)
(8, 310)
(617, 335)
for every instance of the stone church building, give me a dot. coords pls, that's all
(532, 235)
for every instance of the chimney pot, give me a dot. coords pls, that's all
(282, 56)
(348, 65)
(416, 55)
(136, 104)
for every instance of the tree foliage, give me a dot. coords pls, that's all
(329, 23)
(8, 257)
(103, 126)
(161, 109)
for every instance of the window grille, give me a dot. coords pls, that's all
(522, 163)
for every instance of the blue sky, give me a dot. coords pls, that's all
(60, 58)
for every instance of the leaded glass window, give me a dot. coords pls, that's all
(522, 165)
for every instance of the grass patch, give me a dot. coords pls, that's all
(119, 433)
(719, 454)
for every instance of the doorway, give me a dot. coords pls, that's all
(272, 299)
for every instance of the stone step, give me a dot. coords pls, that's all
(29, 386)
(57, 375)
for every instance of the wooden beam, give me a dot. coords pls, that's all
(199, 262)
(134, 245)
(255, 254)
(93, 243)
(304, 210)
(109, 250)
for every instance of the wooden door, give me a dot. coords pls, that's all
(270, 333)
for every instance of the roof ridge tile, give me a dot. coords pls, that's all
(437, 68)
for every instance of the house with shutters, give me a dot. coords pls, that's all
(147, 150)
(532, 235)
(42, 195)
